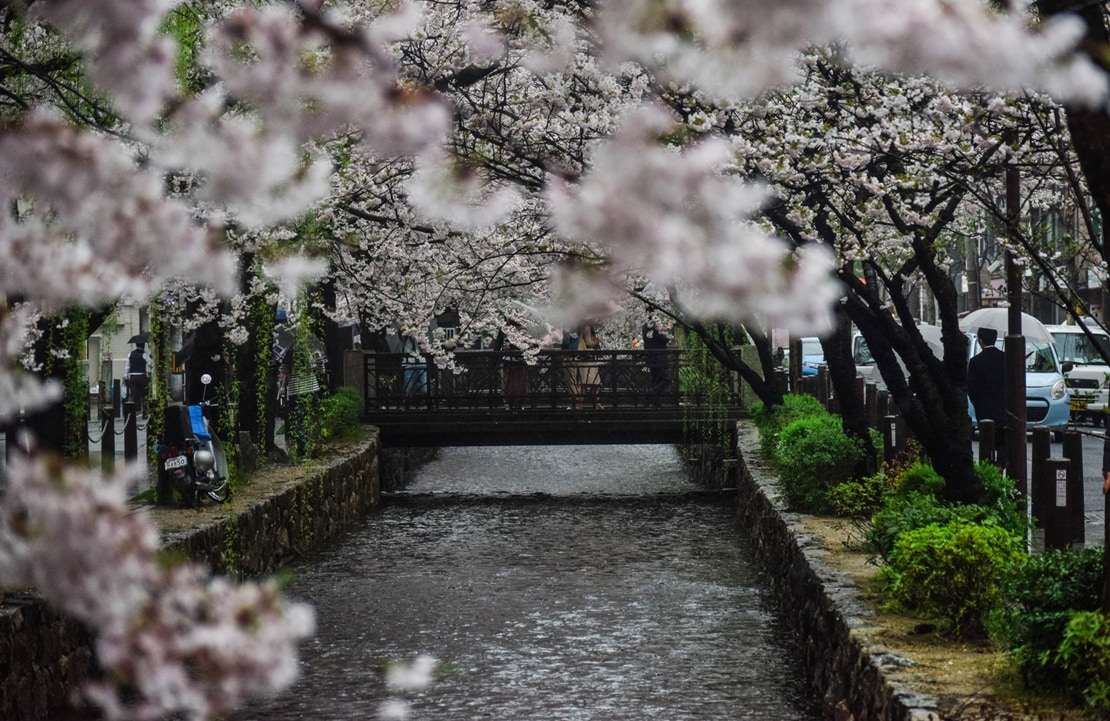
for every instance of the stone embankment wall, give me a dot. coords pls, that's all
(292, 518)
(45, 655)
(822, 605)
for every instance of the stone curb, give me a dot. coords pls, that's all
(855, 678)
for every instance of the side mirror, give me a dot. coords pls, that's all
(1067, 366)
(206, 379)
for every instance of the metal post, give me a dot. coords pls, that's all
(117, 398)
(130, 432)
(108, 441)
(1016, 450)
(1056, 515)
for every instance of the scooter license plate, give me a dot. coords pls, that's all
(175, 462)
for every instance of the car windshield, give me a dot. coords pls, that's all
(1039, 357)
(812, 346)
(1078, 348)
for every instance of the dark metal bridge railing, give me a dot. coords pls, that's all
(628, 379)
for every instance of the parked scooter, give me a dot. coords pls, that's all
(191, 454)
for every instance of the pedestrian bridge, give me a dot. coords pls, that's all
(504, 398)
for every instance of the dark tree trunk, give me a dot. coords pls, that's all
(842, 374)
(931, 393)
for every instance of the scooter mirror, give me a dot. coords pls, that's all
(206, 379)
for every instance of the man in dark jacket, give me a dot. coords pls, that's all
(986, 388)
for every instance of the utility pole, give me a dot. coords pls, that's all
(1016, 451)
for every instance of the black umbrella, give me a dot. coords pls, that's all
(139, 338)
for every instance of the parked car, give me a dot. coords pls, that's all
(1046, 394)
(813, 355)
(1089, 377)
(865, 362)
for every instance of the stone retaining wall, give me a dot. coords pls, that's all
(854, 678)
(290, 520)
(45, 655)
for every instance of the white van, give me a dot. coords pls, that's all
(1089, 375)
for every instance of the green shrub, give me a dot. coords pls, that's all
(916, 504)
(770, 420)
(340, 415)
(919, 477)
(813, 455)
(952, 571)
(859, 500)
(1001, 498)
(1038, 599)
(1085, 655)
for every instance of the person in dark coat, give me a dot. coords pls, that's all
(986, 388)
(655, 340)
(135, 377)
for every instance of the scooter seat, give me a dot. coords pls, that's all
(196, 417)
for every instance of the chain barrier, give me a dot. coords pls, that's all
(120, 432)
(103, 428)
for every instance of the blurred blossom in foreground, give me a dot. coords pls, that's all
(177, 639)
(405, 677)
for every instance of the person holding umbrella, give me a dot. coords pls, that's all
(135, 373)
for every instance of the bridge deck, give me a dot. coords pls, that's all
(542, 426)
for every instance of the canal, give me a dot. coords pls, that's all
(567, 583)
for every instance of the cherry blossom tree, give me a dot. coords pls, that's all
(445, 149)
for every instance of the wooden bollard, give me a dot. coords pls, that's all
(1073, 451)
(893, 437)
(987, 443)
(871, 404)
(1056, 516)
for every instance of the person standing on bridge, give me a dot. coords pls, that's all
(583, 374)
(656, 341)
(514, 372)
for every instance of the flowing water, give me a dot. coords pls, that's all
(551, 583)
